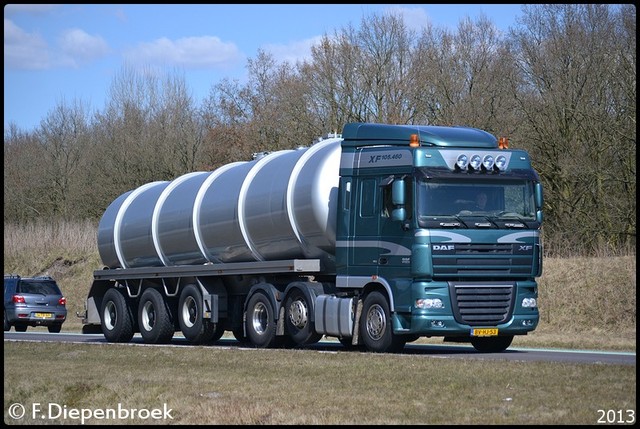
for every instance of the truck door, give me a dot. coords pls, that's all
(396, 237)
(364, 243)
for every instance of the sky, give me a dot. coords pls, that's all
(62, 53)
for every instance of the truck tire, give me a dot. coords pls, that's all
(117, 318)
(376, 330)
(218, 332)
(238, 334)
(194, 327)
(154, 318)
(491, 344)
(260, 325)
(298, 321)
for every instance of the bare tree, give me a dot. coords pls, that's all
(465, 75)
(24, 195)
(574, 98)
(63, 136)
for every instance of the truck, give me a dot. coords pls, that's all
(370, 237)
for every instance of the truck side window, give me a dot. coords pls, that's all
(368, 198)
(387, 202)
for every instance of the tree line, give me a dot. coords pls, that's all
(560, 84)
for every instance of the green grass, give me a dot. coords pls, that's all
(218, 385)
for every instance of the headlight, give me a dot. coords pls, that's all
(529, 303)
(501, 162)
(429, 303)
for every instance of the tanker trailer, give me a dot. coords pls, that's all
(281, 206)
(368, 237)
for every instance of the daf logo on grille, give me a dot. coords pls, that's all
(444, 247)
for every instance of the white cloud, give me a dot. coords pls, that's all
(414, 17)
(207, 52)
(29, 51)
(79, 47)
(294, 51)
(24, 50)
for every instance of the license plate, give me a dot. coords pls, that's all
(44, 315)
(484, 332)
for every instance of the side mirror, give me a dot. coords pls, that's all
(539, 202)
(399, 213)
(538, 196)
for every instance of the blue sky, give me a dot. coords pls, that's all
(55, 53)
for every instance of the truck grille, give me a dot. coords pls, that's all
(482, 303)
(468, 260)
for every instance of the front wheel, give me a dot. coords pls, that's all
(491, 344)
(376, 328)
(261, 324)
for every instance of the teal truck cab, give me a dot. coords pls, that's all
(408, 222)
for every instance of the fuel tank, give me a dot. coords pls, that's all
(280, 206)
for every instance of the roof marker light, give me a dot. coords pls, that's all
(414, 141)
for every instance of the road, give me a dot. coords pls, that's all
(444, 351)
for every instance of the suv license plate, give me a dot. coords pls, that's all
(44, 315)
(484, 332)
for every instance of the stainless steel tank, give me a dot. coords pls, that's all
(281, 206)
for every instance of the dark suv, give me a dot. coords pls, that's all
(33, 301)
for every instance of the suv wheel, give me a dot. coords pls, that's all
(55, 328)
(7, 325)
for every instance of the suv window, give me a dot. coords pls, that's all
(38, 287)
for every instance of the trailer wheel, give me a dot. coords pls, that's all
(491, 344)
(218, 332)
(260, 324)
(298, 319)
(238, 334)
(376, 329)
(194, 328)
(154, 318)
(117, 319)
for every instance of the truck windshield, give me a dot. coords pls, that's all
(499, 199)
